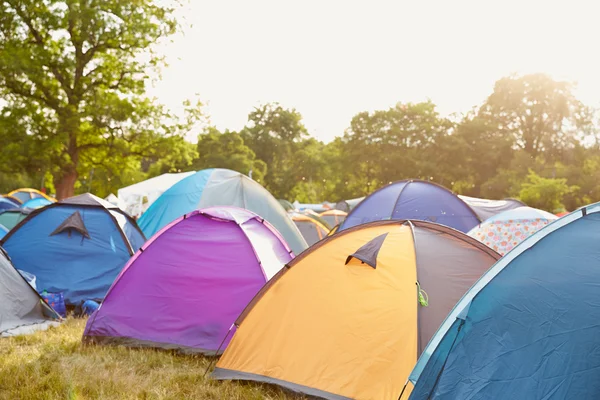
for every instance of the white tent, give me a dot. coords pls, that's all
(138, 197)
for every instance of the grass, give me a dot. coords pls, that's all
(55, 365)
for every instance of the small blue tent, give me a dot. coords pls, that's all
(77, 246)
(38, 202)
(220, 187)
(413, 199)
(7, 204)
(528, 329)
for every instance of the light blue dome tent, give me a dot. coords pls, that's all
(35, 203)
(413, 199)
(76, 246)
(529, 328)
(220, 187)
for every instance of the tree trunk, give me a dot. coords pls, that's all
(65, 186)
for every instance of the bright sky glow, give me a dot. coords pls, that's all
(331, 59)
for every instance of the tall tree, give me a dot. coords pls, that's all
(228, 150)
(393, 144)
(274, 133)
(541, 114)
(74, 72)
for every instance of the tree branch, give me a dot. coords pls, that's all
(39, 40)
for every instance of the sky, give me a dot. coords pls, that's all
(332, 59)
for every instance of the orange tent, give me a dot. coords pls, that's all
(349, 317)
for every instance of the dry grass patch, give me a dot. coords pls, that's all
(55, 365)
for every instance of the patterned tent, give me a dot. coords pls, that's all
(504, 231)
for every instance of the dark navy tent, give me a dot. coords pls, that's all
(77, 246)
(529, 328)
(414, 199)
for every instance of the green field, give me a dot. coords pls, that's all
(55, 365)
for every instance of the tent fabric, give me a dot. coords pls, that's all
(485, 208)
(504, 231)
(311, 229)
(14, 201)
(80, 267)
(22, 310)
(38, 202)
(138, 197)
(417, 200)
(334, 217)
(25, 194)
(368, 252)
(10, 218)
(342, 330)
(6, 204)
(184, 288)
(75, 222)
(348, 205)
(3, 231)
(528, 328)
(220, 187)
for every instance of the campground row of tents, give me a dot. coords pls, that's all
(416, 293)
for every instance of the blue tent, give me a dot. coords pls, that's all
(77, 246)
(413, 199)
(38, 202)
(529, 328)
(220, 187)
(7, 204)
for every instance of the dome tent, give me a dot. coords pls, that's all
(528, 329)
(6, 204)
(136, 198)
(334, 217)
(312, 229)
(22, 310)
(38, 202)
(76, 246)
(348, 310)
(348, 205)
(220, 187)
(413, 199)
(10, 218)
(504, 231)
(192, 279)
(485, 208)
(25, 194)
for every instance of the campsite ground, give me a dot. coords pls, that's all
(55, 365)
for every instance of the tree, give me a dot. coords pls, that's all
(541, 114)
(545, 193)
(227, 150)
(274, 133)
(74, 72)
(389, 145)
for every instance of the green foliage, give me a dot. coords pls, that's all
(74, 116)
(72, 76)
(228, 150)
(545, 193)
(275, 134)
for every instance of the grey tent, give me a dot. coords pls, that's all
(485, 208)
(22, 310)
(348, 205)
